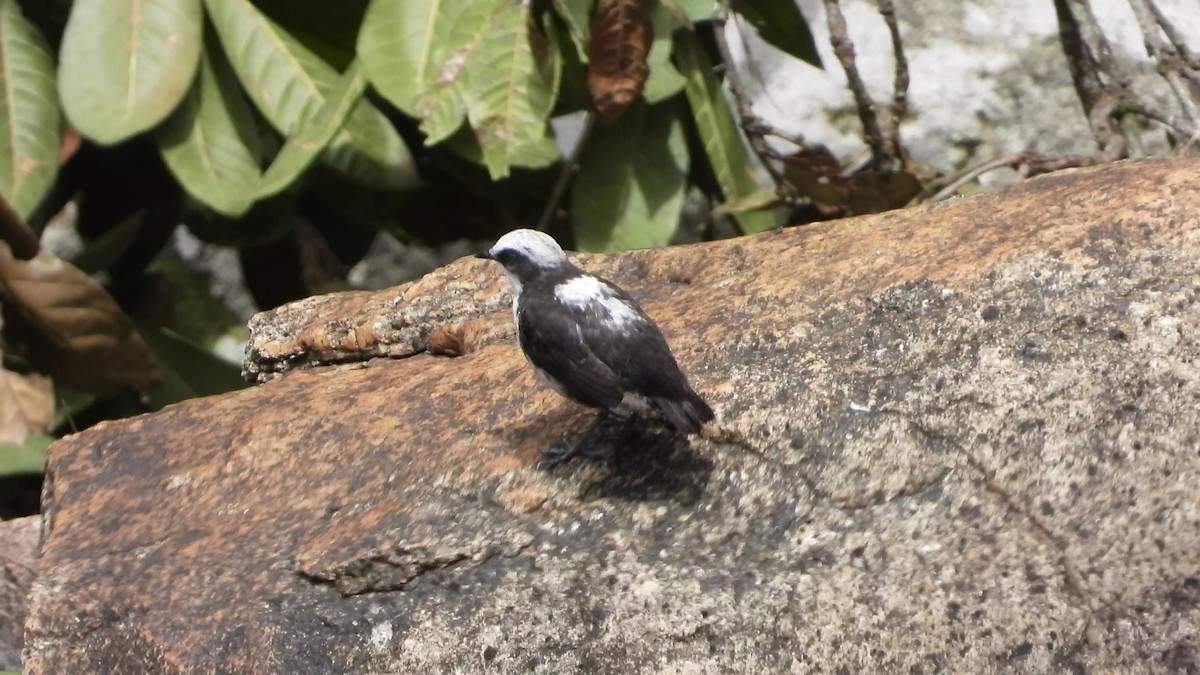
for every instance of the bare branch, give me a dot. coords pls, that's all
(1026, 164)
(900, 87)
(1170, 64)
(570, 166)
(755, 128)
(843, 48)
(1180, 129)
(1176, 39)
(1078, 32)
(13, 230)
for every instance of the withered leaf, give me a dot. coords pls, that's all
(621, 35)
(26, 406)
(70, 327)
(816, 174)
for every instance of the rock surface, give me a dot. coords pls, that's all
(18, 567)
(988, 78)
(960, 438)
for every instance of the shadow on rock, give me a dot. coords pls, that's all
(645, 460)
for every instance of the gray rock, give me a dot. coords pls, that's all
(988, 78)
(956, 438)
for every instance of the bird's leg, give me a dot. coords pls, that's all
(566, 450)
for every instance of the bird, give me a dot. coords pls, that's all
(589, 340)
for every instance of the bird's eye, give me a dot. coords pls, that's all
(504, 257)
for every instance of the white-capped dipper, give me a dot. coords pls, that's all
(589, 340)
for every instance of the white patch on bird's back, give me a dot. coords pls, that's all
(538, 248)
(590, 294)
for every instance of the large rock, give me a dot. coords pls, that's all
(961, 437)
(18, 567)
(987, 78)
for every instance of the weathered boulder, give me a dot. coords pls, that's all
(18, 567)
(961, 437)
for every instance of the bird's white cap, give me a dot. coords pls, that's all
(538, 248)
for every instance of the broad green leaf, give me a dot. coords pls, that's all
(303, 147)
(210, 142)
(578, 16)
(288, 83)
(631, 183)
(69, 404)
(782, 25)
(188, 371)
(665, 80)
(329, 29)
(27, 458)
(102, 253)
(415, 53)
(718, 130)
(760, 200)
(509, 96)
(444, 59)
(126, 64)
(30, 121)
(693, 10)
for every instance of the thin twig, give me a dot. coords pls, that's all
(1180, 45)
(1099, 98)
(1181, 129)
(1170, 65)
(568, 170)
(900, 87)
(1025, 163)
(20, 238)
(754, 126)
(843, 48)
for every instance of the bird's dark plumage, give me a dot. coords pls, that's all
(587, 338)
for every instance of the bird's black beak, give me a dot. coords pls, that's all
(485, 255)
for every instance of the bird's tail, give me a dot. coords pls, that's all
(687, 414)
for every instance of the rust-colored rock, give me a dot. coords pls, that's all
(18, 567)
(961, 437)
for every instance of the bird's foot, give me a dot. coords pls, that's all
(564, 452)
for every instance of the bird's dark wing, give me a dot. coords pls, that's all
(637, 353)
(552, 341)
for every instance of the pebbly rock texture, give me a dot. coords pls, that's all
(18, 567)
(962, 438)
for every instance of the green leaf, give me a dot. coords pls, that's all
(577, 14)
(760, 200)
(687, 11)
(27, 458)
(126, 64)
(302, 148)
(444, 59)
(727, 155)
(188, 371)
(415, 53)
(102, 253)
(210, 142)
(329, 29)
(665, 80)
(631, 183)
(69, 404)
(289, 83)
(30, 121)
(782, 25)
(510, 96)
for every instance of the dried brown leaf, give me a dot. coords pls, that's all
(26, 406)
(621, 35)
(815, 173)
(70, 327)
